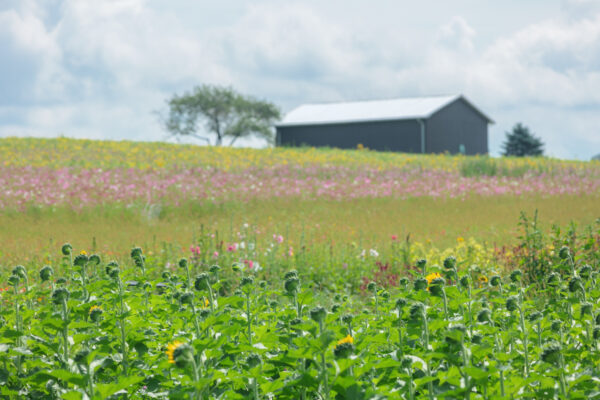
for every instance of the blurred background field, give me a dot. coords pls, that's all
(108, 196)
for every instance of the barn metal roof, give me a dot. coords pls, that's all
(373, 110)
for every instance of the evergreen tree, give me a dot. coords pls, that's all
(520, 143)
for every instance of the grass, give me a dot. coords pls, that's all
(366, 221)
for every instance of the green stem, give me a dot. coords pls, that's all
(562, 377)
(210, 297)
(445, 304)
(525, 350)
(466, 364)
(65, 332)
(411, 390)
(249, 317)
(90, 381)
(122, 329)
(195, 320)
(324, 366)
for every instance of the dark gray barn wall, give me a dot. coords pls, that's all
(457, 124)
(403, 135)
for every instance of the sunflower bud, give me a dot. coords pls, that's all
(512, 302)
(495, 280)
(182, 263)
(575, 284)
(564, 253)
(551, 354)
(437, 287)
(553, 279)
(335, 308)
(535, 316)
(59, 295)
(477, 338)
(484, 315)
(94, 259)
(404, 281)
(183, 355)
(420, 284)
(201, 282)
(318, 314)
(464, 281)
(186, 298)
(20, 271)
(450, 262)
(252, 360)
(516, 275)
(46, 273)
(586, 309)
(347, 319)
(421, 263)
(136, 252)
(113, 272)
(556, 325)
(585, 272)
(66, 249)
(290, 274)
(13, 280)
(61, 281)
(80, 260)
(214, 269)
(401, 303)
(96, 313)
(416, 311)
(291, 284)
(246, 281)
(343, 350)
(371, 286)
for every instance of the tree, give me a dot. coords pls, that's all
(225, 113)
(520, 142)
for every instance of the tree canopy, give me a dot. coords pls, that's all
(520, 143)
(223, 112)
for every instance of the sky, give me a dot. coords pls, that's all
(103, 69)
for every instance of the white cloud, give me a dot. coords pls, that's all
(99, 68)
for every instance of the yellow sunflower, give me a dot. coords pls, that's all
(92, 308)
(432, 276)
(347, 339)
(171, 347)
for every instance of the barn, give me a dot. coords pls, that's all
(413, 125)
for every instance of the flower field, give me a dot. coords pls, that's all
(294, 274)
(78, 175)
(444, 327)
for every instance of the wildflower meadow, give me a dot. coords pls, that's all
(155, 271)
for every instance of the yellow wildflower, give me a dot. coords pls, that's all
(483, 279)
(460, 239)
(83, 252)
(347, 339)
(171, 347)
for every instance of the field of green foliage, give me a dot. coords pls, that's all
(439, 328)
